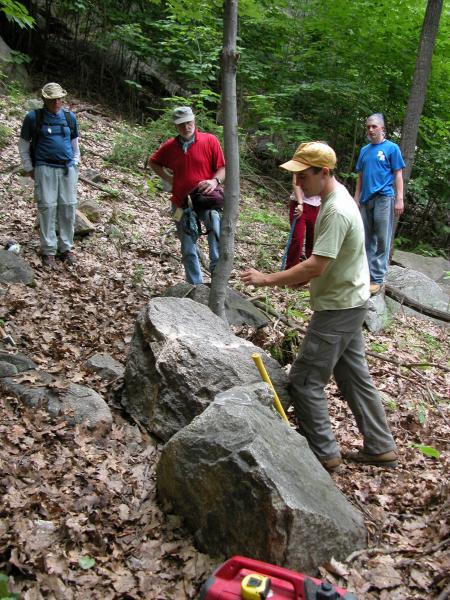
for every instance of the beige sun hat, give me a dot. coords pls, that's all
(53, 91)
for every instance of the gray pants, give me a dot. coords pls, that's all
(55, 191)
(334, 345)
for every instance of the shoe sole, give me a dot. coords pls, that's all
(389, 465)
(359, 459)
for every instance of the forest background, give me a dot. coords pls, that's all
(308, 69)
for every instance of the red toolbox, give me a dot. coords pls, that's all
(247, 579)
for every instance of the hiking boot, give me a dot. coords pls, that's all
(385, 459)
(48, 260)
(331, 464)
(375, 288)
(68, 257)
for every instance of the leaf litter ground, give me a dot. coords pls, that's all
(79, 516)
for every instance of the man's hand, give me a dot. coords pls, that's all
(399, 206)
(207, 186)
(31, 174)
(253, 277)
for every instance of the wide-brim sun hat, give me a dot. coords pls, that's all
(182, 114)
(311, 154)
(53, 91)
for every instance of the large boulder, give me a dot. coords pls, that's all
(91, 209)
(13, 70)
(378, 315)
(105, 365)
(36, 389)
(418, 291)
(83, 225)
(180, 357)
(434, 267)
(246, 483)
(14, 269)
(238, 309)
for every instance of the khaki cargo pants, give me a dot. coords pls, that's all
(334, 345)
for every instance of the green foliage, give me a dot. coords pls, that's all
(16, 13)
(133, 145)
(295, 313)
(190, 44)
(379, 347)
(262, 216)
(6, 134)
(4, 593)
(428, 451)
(86, 562)
(307, 70)
(130, 147)
(137, 276)
(286, 351)
(19, 58)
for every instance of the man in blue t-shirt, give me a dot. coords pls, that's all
(379, 194)
(50, 153)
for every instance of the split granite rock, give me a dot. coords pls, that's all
(180, 357)
(246, 483)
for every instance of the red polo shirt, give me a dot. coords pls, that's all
(202, 161)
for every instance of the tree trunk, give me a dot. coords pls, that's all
(419, 84)
(231, 148)
(418, 92)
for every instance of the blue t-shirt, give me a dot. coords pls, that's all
(377, 163)
(54, 141)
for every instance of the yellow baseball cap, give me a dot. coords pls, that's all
(311, 154)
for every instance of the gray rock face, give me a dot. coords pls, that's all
(105, 365)
(13, 269)
(82, 225)
(19, 360)
(434, 267)
(90, 208)
(378, 315)
(246, 483)
(15, 72)
(180, 357)
(7, 370)
(78, 403)
(87, 406)
(238, 309)
(416, 286)
(396, 308)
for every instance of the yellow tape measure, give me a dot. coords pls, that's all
(255, 587)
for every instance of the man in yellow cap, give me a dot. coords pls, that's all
(334, 344)
(50, 153)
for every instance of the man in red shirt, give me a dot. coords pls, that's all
(195, 161)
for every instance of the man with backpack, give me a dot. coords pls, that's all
(197, 169)
(49, 151)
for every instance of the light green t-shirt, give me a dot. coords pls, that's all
(339, 234)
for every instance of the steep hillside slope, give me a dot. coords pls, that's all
(79, 517)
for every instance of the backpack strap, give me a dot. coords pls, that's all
(70, 122)
(38, 120)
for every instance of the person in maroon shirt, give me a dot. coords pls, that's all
(193, 161)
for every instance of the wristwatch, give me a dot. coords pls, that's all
(219, 181)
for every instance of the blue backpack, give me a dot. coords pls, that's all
(39, 120)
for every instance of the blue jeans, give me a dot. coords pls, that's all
(378, 218)
(191, 262)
